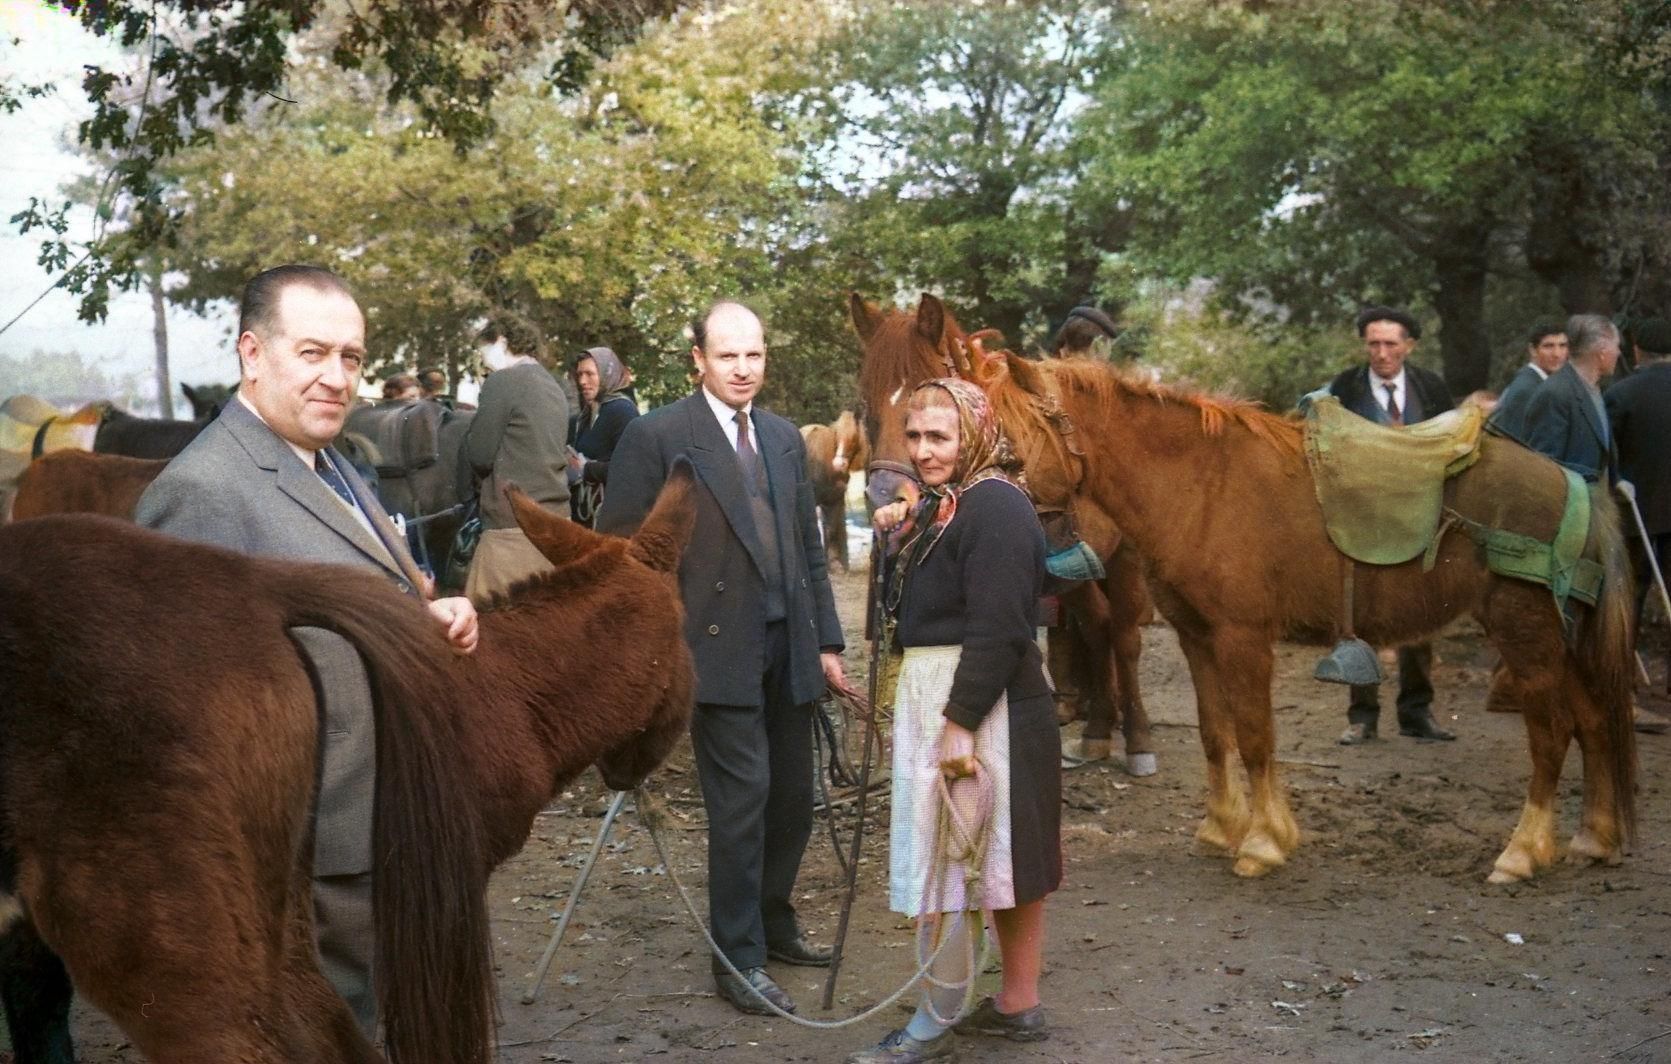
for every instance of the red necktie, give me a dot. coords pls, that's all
(1394, 415)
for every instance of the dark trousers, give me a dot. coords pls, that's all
(1415, 689)
(1645, 577)
(755, 766)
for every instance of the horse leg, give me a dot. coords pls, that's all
(1064, 666)
(835, 531)
(1535, 675)
(36, 991)
(1090, 651)
(1600, 837)
(1245, 660)
(1128, 608)
(1226, 822)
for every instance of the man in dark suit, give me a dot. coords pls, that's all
(263, 479)
(1389, 391)
(1567, 419)
(761, 624)
(1639, 414)
(1546, 351)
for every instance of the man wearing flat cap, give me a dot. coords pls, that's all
(1389, 390)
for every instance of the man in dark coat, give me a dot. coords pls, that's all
(1639, 414)
(1389, 391)
(1546, 351)
(263, 479)
(1567, 419)
(761, 623)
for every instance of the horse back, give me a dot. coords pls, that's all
(62, 482)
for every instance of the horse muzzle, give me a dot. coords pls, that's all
(889, 482)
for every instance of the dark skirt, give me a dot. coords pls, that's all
(1035, 798)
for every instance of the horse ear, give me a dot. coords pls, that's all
(866, 316)
(560, 540)
(660, 541)
(191, 396)
(931, 318)
(1025, 373)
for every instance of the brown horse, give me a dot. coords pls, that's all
(833, 452)
(1217, 497)
(82, 482)
(156, 776)
(901, 350)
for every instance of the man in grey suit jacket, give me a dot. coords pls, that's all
(762, 627)
(1546, 351)
(263, 479)
(1567, 419)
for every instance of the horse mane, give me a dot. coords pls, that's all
(1103, 381)
(897, 354)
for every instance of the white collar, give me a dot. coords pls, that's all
(1379, 384)
(1542, 376)
(309, 458)
(725, 412)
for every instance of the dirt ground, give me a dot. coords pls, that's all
(1379, 940)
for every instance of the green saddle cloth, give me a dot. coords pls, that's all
(1382, 489)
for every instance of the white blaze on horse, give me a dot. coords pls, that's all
(833, 453)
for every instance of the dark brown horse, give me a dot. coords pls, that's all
(901, 350)
(833, 453)
(156, 776)
(158, 437)
(411, 453)
(1218, 498)
(81, 482)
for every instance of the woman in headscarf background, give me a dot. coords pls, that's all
(972, 705)
(605, 408)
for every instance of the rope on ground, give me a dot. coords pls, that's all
(653, 816)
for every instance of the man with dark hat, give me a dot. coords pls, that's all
(1085, 325)
(1639, 414)
(1389, 391)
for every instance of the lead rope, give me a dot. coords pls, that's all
(651, 813)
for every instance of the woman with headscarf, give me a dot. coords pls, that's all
(605, 409)
(972, 708)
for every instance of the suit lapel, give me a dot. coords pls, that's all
(716, 461)
(779, 455)
(393, 542)
(303, 486)
(1592, 416)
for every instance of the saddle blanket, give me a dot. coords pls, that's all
(1382, 489)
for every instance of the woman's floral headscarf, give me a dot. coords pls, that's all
(983, 453)
(612, 375)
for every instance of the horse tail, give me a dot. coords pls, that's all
(1606, 649)
(434, 966)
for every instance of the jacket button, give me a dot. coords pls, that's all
(803, 581)
(719, 585)
(713, 629)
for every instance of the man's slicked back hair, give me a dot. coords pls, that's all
(258, 309)
(1586, 332)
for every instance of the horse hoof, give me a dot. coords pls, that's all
(1252, 867)
(1214, 838)
(1260, 849)
(1513, 866)
(1141, 765)
(1501, 877)
(1585, 848)
(1096, 749)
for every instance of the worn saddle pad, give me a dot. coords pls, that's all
(407, 435)
(1381, 488)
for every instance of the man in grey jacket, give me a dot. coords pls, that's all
(517, 437)
(263, 479)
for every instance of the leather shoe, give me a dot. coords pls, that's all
(745, 994)
(1648, 722)
(1423, 728)
(1357, 734)
(799, 951)
(900, 1048)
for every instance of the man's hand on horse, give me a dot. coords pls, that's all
(834, 674)
(458, 617)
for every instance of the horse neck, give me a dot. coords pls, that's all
(1153, 467)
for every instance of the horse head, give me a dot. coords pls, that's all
(901, 350)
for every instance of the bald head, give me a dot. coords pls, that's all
(729, 353)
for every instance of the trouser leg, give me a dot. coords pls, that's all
(1365, 704)
(1415, 682)
(345, 932)
(732, 765)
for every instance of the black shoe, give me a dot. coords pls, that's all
(1422, 727)
(900, 1048)
(799, 951)
(745, 994)
(1024, 1026)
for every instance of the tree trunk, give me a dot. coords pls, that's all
(1464, 343)
(1561, 247)
(159, 333)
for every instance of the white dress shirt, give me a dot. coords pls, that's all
(727, 417)
(1379, 384)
